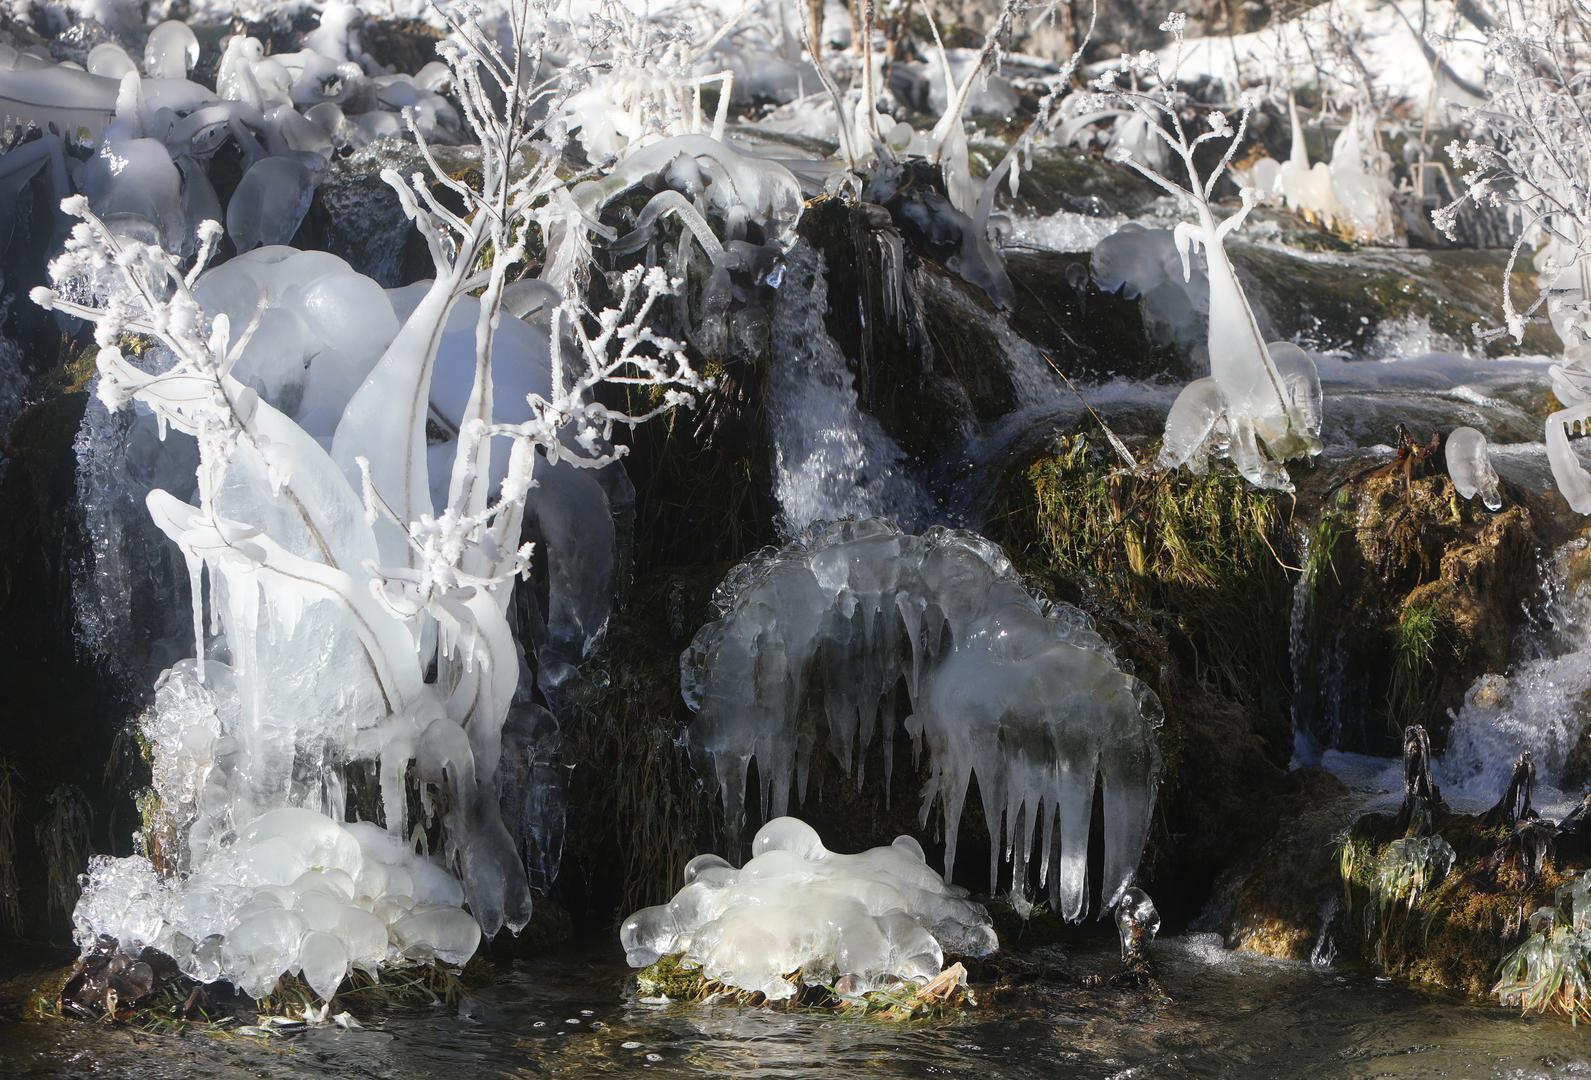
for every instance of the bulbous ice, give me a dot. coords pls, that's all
(814, 640)
(294, 891)
(1469, 463)
(1137, 921)
(863, 921)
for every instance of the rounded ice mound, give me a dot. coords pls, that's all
(813, 640)
(295, 893)
(1469, 463)
(864, 921)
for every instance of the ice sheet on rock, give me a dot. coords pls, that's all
(1469, 464)
(814, 638)
(856, 922)
(1144, 264)
(270, 202)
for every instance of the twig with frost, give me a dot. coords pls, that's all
(1261, 403)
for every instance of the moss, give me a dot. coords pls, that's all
(637, 813)
(1416, 641)
(1411, 595)
(1200, 551)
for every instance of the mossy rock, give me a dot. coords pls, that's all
(1340, 300)
(1413, 594)
(1079, 183)
(674, 979)
(1456, 932)
(1182, 576)
(1277, 899)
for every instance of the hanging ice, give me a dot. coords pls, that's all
(1469, 463)
(815, 637)
(855, 922)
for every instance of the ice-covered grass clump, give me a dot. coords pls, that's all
(858, 923)
(353, 545)
(817, 639)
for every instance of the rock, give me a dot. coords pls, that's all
(1413, 594)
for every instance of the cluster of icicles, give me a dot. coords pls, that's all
(857, 923)
(815, 638)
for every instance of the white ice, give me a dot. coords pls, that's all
(858, 923)
(1023, 695)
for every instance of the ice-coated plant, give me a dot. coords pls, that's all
(1261, 404)
(1550, 971)
(350, 618)
(1529, 153)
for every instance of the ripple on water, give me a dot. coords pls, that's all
(1218, 1015)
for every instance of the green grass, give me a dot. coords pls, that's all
(1415, 643)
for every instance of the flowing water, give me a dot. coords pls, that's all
(1218, 1014)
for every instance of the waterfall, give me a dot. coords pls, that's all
(1540, 706)
(831, 459)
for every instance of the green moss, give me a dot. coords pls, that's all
(1453, 932)
(1415, 643)
(637, 813)
(1199, 550)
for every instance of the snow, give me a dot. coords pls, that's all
(1385, 35)
(858, 923)
(1023, 695)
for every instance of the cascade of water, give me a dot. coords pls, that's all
(1542, 705)
(831, 459)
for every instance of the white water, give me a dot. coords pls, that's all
(831, 459)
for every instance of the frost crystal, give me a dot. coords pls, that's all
(815, 638)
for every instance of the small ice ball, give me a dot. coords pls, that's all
(1137, 921)
(1469, 463)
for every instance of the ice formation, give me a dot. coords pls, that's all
(1571, 385)
(293, 892)
(350, 574)
(855, 922)
(831, 459)
(1352, 195)
(1144, 264)
(1469, 463)
(155, 133)
(815, 638)
(1137, 923)
(1261, 404)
